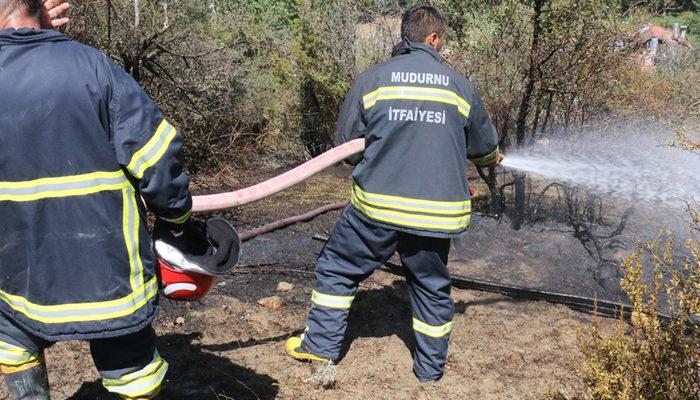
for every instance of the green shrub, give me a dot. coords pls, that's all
(651, 358)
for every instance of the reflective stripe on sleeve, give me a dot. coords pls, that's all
(327, 300)
(64, 186)
(431, 330)
(488, 159)
(179, 220)
(153, 150)
(141, 383)
(417, 93)
(14, 355)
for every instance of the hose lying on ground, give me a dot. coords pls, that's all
(249, 234)
(578, 303)
(221, 201)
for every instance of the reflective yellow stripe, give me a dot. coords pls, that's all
(417, 93)
(11, 369)
(179, 220)
(152, 151)
(488, 159)
(130, 227)
(143, 382)
(331, 301)
(14, 355)
(413, 220)
(64, 186)
(83, 312)
(449, 216)
(74, 186)
(419, 205)
(432, 330)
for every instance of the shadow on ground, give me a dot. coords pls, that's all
(375, 313)
(198, 374)
(382, 313)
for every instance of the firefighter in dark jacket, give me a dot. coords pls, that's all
(421, 121)
(81, 144)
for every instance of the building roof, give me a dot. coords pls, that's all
(648, 32)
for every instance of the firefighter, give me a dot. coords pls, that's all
(81, 144)
(421, 121)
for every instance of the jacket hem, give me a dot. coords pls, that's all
(418, 232)
(104, 334)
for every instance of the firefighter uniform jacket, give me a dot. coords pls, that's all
(421, 120)
(80, 144)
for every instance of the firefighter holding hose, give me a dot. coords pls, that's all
(81, 144)
(421, 121)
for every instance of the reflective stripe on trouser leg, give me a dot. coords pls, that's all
(430, 354)
(143, 383)
(428, 280)
(11, 355)
(354, 250)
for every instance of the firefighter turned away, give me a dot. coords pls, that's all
(421, 121)
(83, 147)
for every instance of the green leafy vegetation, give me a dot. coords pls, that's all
(265, 79)
(691, 19)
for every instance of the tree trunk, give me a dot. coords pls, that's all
(531, 77)
(547, 113)
(166, 22)
(137, 13)
(313, 133)
(524, 111)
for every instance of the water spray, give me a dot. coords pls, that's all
(630, 167)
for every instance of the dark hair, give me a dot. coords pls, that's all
(32, 7)
(418, 22)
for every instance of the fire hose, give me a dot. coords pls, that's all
(277, 184)
(221, 201)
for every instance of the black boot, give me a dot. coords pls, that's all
(30, 384)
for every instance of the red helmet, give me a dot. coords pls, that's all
(182, 285)
(191, 255)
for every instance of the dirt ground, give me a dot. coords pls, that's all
(230, 347)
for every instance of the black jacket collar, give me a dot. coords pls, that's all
(28, 36)
(406, 47)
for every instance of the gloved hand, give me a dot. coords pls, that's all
(211, 248)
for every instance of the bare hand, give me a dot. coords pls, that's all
(499, 160)
(53, 13)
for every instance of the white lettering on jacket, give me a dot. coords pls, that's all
(420, 77)
(417, 115)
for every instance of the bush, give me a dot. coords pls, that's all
(652, 358)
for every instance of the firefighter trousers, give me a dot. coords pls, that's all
(130, 365)
(355, 249)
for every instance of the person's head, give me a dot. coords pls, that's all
(424, 24)
(20, 13)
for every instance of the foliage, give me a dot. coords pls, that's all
(245, 79)
(667, 95)
(653, 358)
(326, 67)
(661, 7)
(689, 18)
(215, 74)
